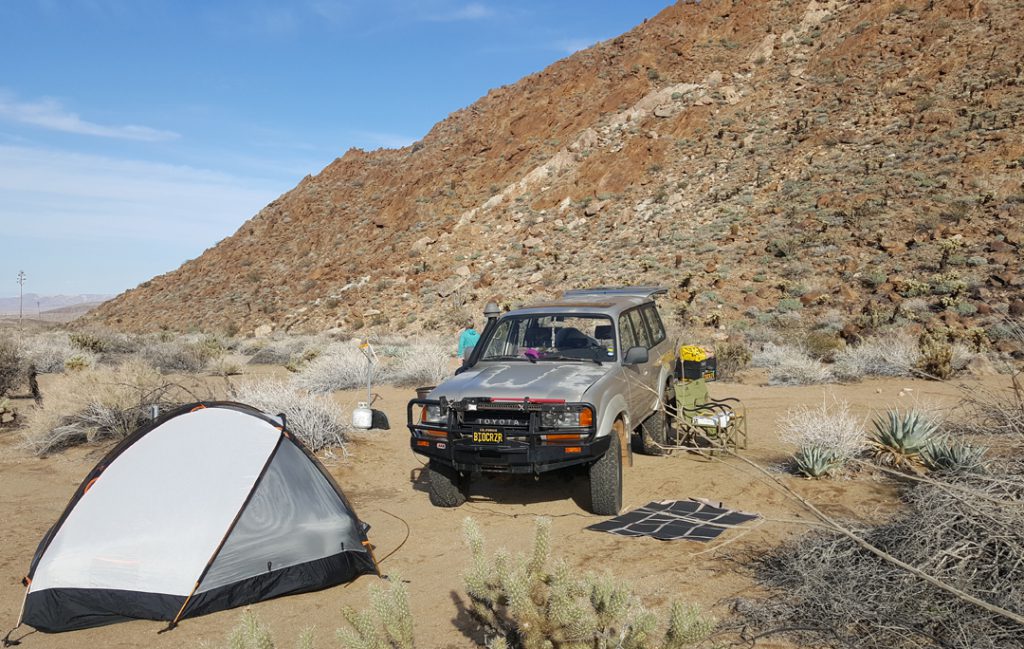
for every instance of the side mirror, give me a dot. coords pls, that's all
(636, 356)
(466, 353)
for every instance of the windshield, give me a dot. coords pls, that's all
(552, 337)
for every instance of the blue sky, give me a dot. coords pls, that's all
(134, 134)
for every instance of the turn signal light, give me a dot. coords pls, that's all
(422, 442)
(561, 438)
(586, 417)
(573, 449)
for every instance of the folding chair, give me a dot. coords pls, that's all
(705, 423)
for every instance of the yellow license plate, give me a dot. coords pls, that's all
(488, 437)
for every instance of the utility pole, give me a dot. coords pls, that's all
(21, 298)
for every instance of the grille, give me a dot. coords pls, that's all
(502, 418)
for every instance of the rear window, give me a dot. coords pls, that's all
(653, 323)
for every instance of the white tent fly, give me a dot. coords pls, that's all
(214, 505)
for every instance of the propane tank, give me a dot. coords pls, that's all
(362, 416)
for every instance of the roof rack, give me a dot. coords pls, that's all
(638, 291)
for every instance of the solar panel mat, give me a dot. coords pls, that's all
(671, 520)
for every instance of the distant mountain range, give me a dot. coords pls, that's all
(36, 304)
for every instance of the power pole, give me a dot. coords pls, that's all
(21, 298)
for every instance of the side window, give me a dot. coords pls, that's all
(653, 323)
(626, 333)
(643, 338)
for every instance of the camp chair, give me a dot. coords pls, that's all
(705, 423)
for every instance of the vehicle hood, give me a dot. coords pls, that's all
(517, 380)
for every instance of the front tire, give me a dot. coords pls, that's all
(655, 431)
(446, 487)
(606, 478)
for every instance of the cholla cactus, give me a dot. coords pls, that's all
(523, 605)
(250, 634)
(386, 625)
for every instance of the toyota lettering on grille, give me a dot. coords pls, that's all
(488, 421)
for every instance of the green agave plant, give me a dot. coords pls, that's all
(815, 462)
(943, 455)
(899, 438)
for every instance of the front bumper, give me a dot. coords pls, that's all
(515, 441)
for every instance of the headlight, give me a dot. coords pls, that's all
(431, 415)
(571, 419)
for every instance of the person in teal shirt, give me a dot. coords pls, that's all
(468, 338)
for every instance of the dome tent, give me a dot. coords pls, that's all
(212, 506)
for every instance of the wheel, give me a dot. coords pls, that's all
(446, 487)
(606, 477)
(656, 430)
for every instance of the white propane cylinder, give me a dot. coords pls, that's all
(362, 416)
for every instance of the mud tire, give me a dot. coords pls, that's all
(447, 489)
(606, 480)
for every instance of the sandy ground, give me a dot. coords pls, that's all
(385, 483)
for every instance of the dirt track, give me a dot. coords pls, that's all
(383, 480)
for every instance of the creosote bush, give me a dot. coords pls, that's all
(100, 404)
(523, 604)
(731, 357)
(12, 365)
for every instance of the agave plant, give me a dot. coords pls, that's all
(943, 455)
(899, 438)
(816, 461)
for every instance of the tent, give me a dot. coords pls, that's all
(212, 506)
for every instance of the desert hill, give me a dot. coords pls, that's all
(814, 164)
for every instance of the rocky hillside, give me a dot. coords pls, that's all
(815, 164)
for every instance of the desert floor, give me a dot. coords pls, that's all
(385, 483)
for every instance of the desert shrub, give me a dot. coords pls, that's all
(833, 593)
(103, 341)
(188, 355)
(827, 436)
(731, 358)
(898, 439)
(341, 366)
(315, 419)
(387, 624)
(12, 365)
(521, 603)
(100, 404)
(823, 345)
(225, 366)
(896, 355)
(788, 365)
(50, 352)
(422, 363)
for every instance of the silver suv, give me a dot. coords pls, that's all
(570, 383)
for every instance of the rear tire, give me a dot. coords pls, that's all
(606, 480)
(447, 489)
